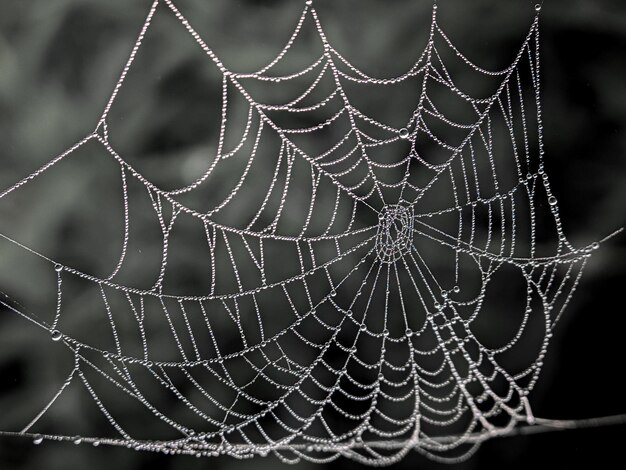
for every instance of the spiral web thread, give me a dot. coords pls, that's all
(393, 363)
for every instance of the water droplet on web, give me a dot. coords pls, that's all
(78, 440)
(96, 443)
(37, 440)
(456, 289)
(595, 245)
(538, 7)
(58, 268)
(404, 133)
(552, 200)
(56, 335)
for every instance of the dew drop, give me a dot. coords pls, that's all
(56, 335)
(404, 133)
(37, 440)
(538, 7)
(595, 245)
(58, 268)
(456, 289)
(552, 200)
(96, 443)
(78, 440)
(408, 332)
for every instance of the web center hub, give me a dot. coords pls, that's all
(395, 232)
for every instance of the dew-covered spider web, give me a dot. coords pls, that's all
(353, 269)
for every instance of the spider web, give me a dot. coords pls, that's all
(348, 290)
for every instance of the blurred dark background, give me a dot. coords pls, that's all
(60, 59)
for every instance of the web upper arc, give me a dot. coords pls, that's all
(416, 69)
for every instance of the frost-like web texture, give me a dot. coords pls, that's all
(349, 288)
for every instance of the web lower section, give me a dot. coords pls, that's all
(346, 308)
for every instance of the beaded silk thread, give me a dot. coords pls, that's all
(449, 391)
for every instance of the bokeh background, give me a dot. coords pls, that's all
(59, 60)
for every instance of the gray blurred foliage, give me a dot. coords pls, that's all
(59, 60)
